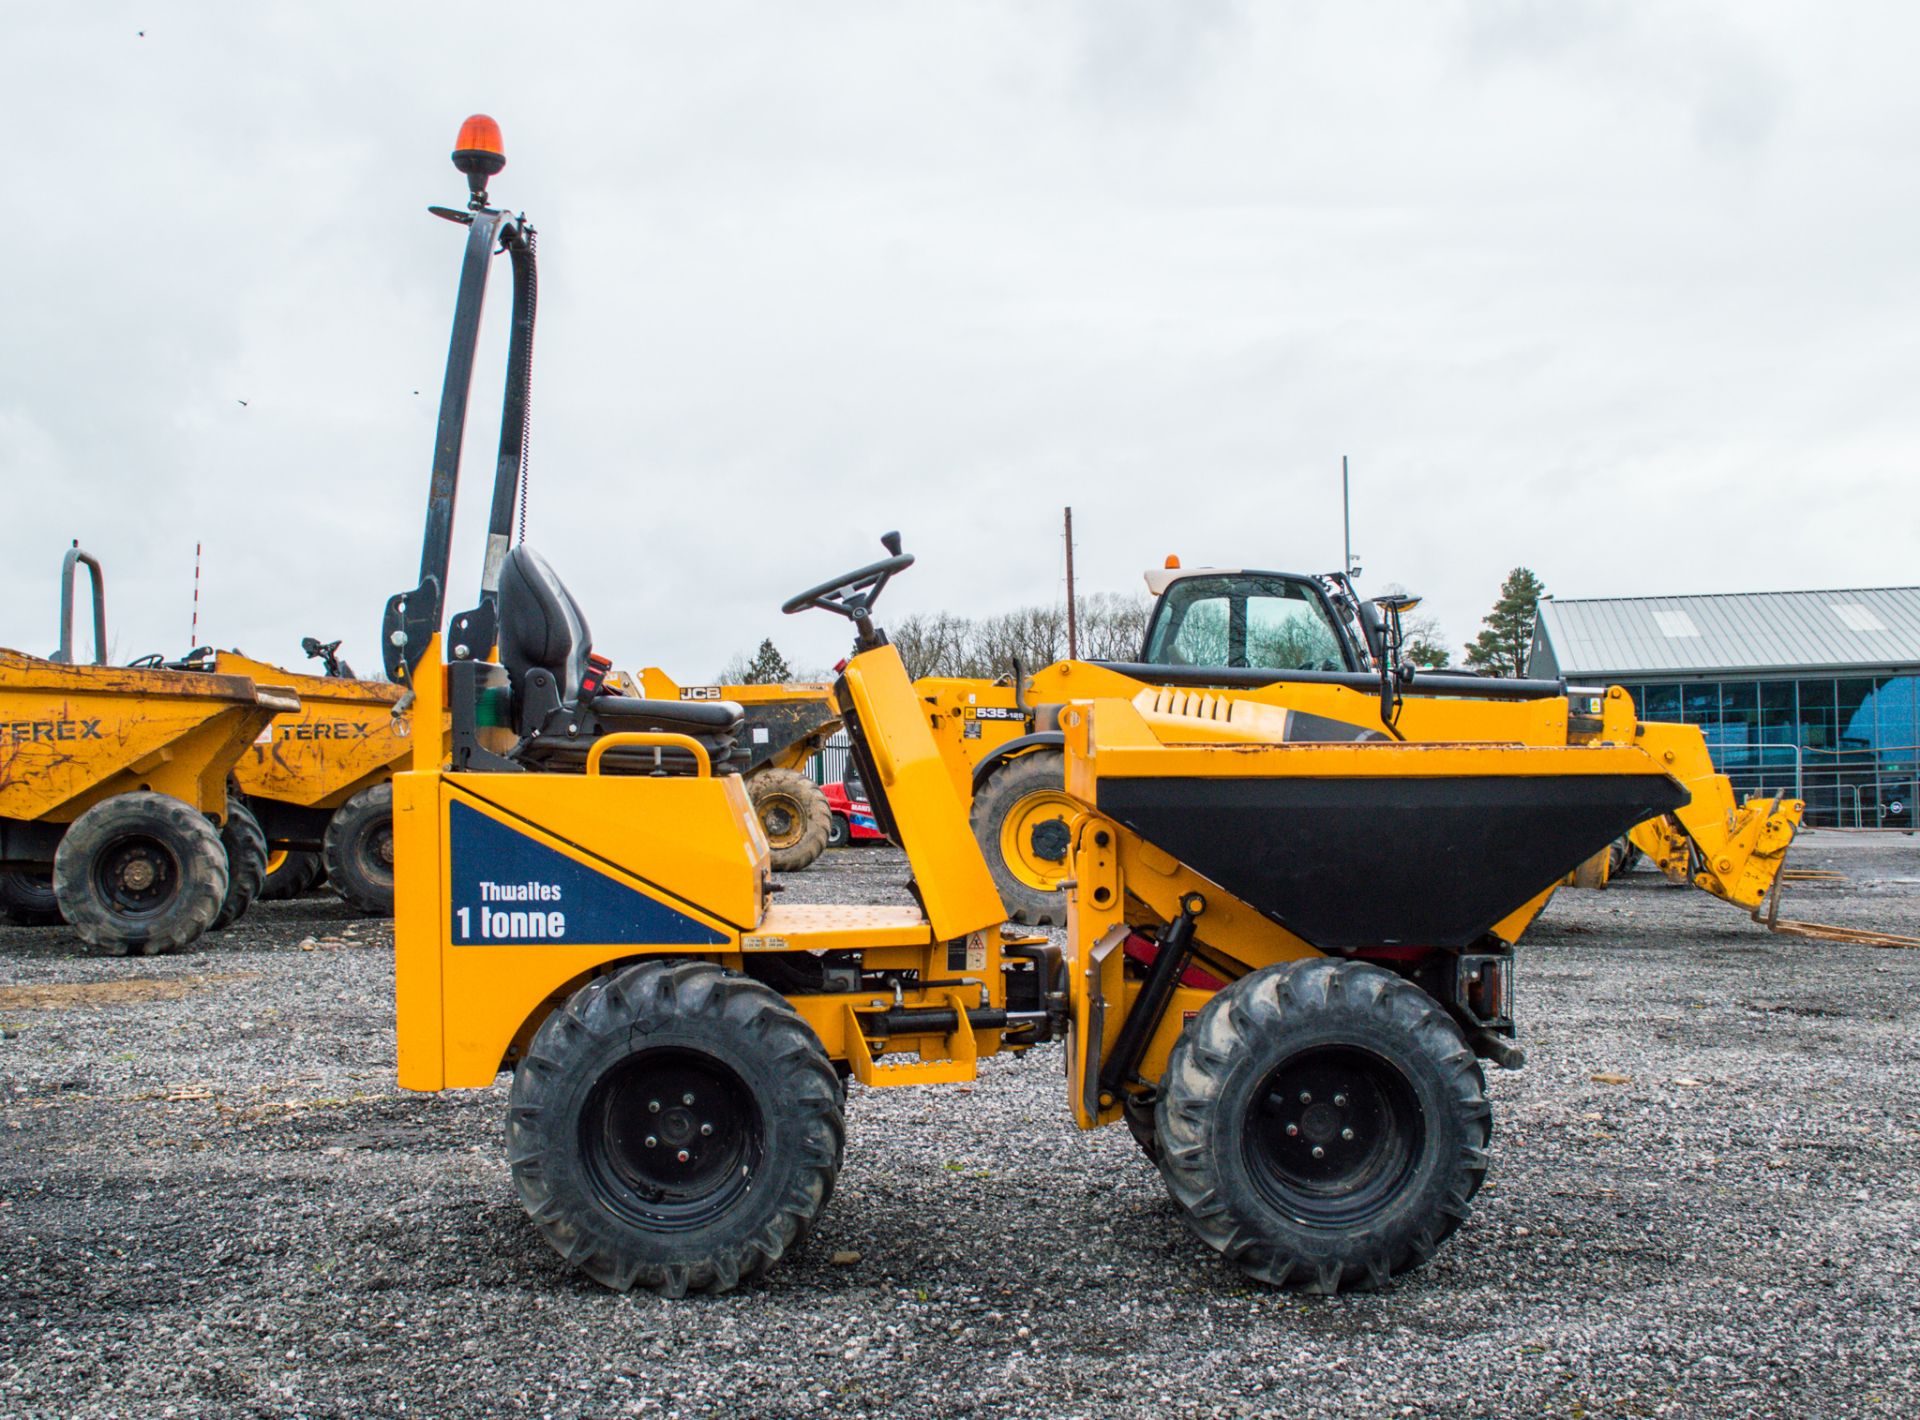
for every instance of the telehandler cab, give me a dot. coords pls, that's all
(1286, 953)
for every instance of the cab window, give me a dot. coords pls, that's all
(1245, 621)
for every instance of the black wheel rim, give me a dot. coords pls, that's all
(137, 875)
(377, 851)
(672, 1140)
(1333, 1133)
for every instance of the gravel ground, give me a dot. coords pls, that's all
(214, 1201)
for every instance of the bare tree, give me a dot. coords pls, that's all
(932, 643)
(1113, 626)
(1036, 634)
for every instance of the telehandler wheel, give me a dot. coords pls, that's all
(358, 850)
(291, 873)
(1323, 1124)
(676, 1127)
(27, 900)
(838, 834)
(794, 816)
(246, 849)
(141, 874)
(1023, 820)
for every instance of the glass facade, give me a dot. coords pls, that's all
(1849, 746)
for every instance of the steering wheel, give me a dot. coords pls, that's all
(852, 594)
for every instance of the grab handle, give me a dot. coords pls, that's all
(659, 739)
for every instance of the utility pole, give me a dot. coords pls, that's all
(1073, 618)
(193, 636)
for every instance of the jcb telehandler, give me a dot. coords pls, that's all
(1289, 943)
(114, 810)
(1311, 644)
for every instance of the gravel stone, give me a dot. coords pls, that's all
(1705, 1200)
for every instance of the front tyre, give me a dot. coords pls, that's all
(140, 874)
(246, 849)
(674, 1127)
(1023, 821)
(358, 851)
(794, 815)
(839, 835)
(1323, 1124)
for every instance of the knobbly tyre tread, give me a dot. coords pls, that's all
(681, 1004)
(27, 899)
(1225, 1054)
(246, 849)
(811, 801)
(353, 868)
(295, 877)
(195, 844)
(1041, 769)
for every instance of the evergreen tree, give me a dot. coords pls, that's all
(1501, 647)
(768, 666)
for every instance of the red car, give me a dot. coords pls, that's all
(853, 820)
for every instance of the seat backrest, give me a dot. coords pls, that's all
(541, 625)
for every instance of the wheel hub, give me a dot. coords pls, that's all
(137, 875)
(1050, 840)
(1333, 1131)
(383, 848)
(671, 1138)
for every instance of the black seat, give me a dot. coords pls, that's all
(544, 646)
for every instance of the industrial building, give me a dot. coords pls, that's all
(1811, 694)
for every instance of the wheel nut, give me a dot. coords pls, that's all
(652, 1142)
(1305, 1098)
(683, 1156)
(1347, 1134)
(687, 1098)
(1292, 1130)
(1318, 1152)
(1339, 1101)
(705, 1130)
(653, 1106)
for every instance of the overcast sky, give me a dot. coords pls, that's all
(1625, 292)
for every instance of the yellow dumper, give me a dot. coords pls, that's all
(113, 793)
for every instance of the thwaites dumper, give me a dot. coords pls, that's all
(113, 793)
(1286, 954)
(1313, 646)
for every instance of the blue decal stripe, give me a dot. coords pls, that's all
(509, 889)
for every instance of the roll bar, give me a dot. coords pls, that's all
(414, 617)
(73, 558)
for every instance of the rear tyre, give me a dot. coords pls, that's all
(674, 1127)
(358, 850)
(246, 849)
(794, 816)
(1023, 820)
(291, 873)
(27, 900)
(1323, 1124)
(838, 834)
(1138, 1111)
(140, 874)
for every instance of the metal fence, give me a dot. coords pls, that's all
(830, 765)
(1843, 788)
